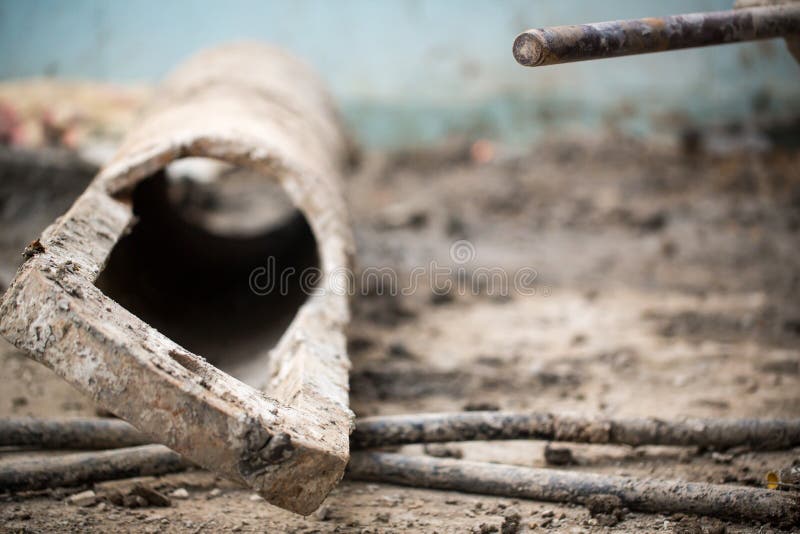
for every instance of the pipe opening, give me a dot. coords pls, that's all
(203, 227)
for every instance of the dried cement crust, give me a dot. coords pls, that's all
(254, 106)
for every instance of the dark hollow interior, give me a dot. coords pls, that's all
(193, 284)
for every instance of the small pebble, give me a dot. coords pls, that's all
(133, 501)
(84, 498)
(153, 497)
(323, 513)
(180, 493)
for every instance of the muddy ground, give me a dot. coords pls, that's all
(666, 282)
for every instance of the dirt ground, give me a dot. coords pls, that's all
(667, 283)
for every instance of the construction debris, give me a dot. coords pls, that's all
(248, 105)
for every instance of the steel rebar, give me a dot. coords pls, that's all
(77, 433)
(565, 44)
(646, 495)
(383, 431)
(763, 434)
(88, 467)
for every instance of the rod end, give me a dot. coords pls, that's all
(529, 48)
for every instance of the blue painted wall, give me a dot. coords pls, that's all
(411, 71)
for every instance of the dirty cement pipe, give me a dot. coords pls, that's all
(383, 431)
(284, 433)
(566, 44)
(646, 495)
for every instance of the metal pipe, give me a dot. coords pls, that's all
(566, 44)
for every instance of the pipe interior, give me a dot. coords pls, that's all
(202, 228)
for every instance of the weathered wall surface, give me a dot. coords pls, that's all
(411, 71)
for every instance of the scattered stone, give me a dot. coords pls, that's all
(485, 528)
(606, 509)
(256, 497)
(323, 513)
(603, 504)
(84, 498)
(133, 501)
(179, 493)
(382, 517)
(721, 458)
(685, 524)
(558, 456)
(153, 497)
(511, 523)
(214, 493)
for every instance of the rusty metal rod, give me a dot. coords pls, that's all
(88, 467)
(77, 433)
(382, 431)
(565, 44)
(646, 495)
(764, 434)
